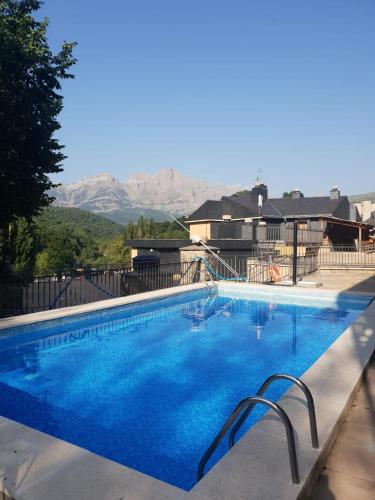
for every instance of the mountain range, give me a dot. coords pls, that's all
(167, 191)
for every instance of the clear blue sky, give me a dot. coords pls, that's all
(221, 88)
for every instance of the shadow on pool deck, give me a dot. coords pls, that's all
(349, 469)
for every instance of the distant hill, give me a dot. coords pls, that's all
(356, 198)
(100, 228)
(166, 191)
(125, 215)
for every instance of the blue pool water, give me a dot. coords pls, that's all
(150, 385)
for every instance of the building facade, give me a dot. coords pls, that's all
(235, 224)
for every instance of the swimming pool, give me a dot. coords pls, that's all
(149, 385)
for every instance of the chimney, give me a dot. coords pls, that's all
(296, 193)
(258, 189)
(334, 194)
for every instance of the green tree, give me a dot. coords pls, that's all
(30, 102)
(148, 228)
(141, 226)
(23, 246)
(287, 194)
(131, 230)
(244, 192)
(152, 228)
(59, 250)
(116, 251)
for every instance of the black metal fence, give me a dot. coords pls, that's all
(258, 268)
(81, 286)
(236, 262)
(74, 287)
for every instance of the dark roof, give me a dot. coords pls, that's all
(224, 244)
(239, 206)
(317, 205)
(211, 209)
(248, 203)
(371, 221)
(243, 206)
(160, 244)
(236, 206)
(196, 246)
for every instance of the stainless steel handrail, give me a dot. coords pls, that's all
(263, 388)
(211, 286)
(252, 401)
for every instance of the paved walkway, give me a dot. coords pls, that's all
(349, 472)
(345, 280)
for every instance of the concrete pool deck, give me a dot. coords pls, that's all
(345, 281)
(349, 470)
(36, 466)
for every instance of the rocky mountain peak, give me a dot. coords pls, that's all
(166, 190)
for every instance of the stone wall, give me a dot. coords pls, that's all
(198, 271)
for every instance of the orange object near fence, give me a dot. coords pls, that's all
(275, 273)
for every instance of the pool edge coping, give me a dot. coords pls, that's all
(262, 433)
(37, 317)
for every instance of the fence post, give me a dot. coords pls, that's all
(295, 248)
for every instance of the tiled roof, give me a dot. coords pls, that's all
(244, 206)
(318, 205)
(210, 209)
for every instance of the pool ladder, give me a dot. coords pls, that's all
(212, 288)
(242, 412)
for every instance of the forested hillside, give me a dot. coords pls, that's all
(61, 238)
(67, 237)
(77, 219)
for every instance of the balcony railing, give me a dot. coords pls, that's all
(284, 234)
(346, 256)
